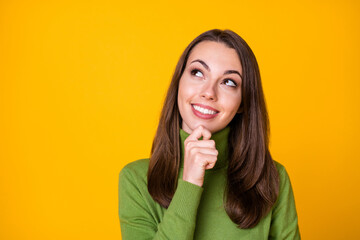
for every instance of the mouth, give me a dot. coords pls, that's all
(204, 112)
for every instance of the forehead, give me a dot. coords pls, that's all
(217, 54)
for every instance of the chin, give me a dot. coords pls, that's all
(206, 126)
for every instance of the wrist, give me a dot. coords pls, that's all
(193, 181)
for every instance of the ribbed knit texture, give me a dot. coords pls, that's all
(198, 212)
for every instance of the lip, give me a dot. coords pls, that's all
(204, 116)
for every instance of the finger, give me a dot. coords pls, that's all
(203, 144)
(205, 159)
(210, 166)
(200, 132)
(196, 134)
(206, 134)
(203, 151)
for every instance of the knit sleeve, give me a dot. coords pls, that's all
(284, 221)
(136, 215)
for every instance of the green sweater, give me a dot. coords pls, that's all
(198, 212)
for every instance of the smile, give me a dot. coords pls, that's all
(204, 111)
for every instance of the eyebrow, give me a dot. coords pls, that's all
(225, 73)
(233, 71)
(202, 63)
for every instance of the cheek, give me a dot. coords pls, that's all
(180, 94)
(232, 103)
(186, 91)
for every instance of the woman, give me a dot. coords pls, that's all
(210, 175)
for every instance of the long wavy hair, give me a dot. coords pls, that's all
(252, 178)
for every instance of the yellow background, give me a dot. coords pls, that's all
(82, 84)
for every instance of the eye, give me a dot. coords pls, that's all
(230, 83)
(197, 73)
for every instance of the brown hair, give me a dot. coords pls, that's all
(252, 178)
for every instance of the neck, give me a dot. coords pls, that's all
(221, 144)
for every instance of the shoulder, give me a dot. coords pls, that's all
(284, 221)
(279, 167)
(136, 170)
(134, 198)
(283, 175)
(137, 166)
(284, 179)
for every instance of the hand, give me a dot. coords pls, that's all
(200, 155)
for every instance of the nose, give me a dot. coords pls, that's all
(209, 91)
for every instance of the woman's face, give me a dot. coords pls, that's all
(210, 87)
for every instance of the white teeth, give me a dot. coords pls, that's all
(203, 110)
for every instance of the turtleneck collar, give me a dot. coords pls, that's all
(221, 144)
